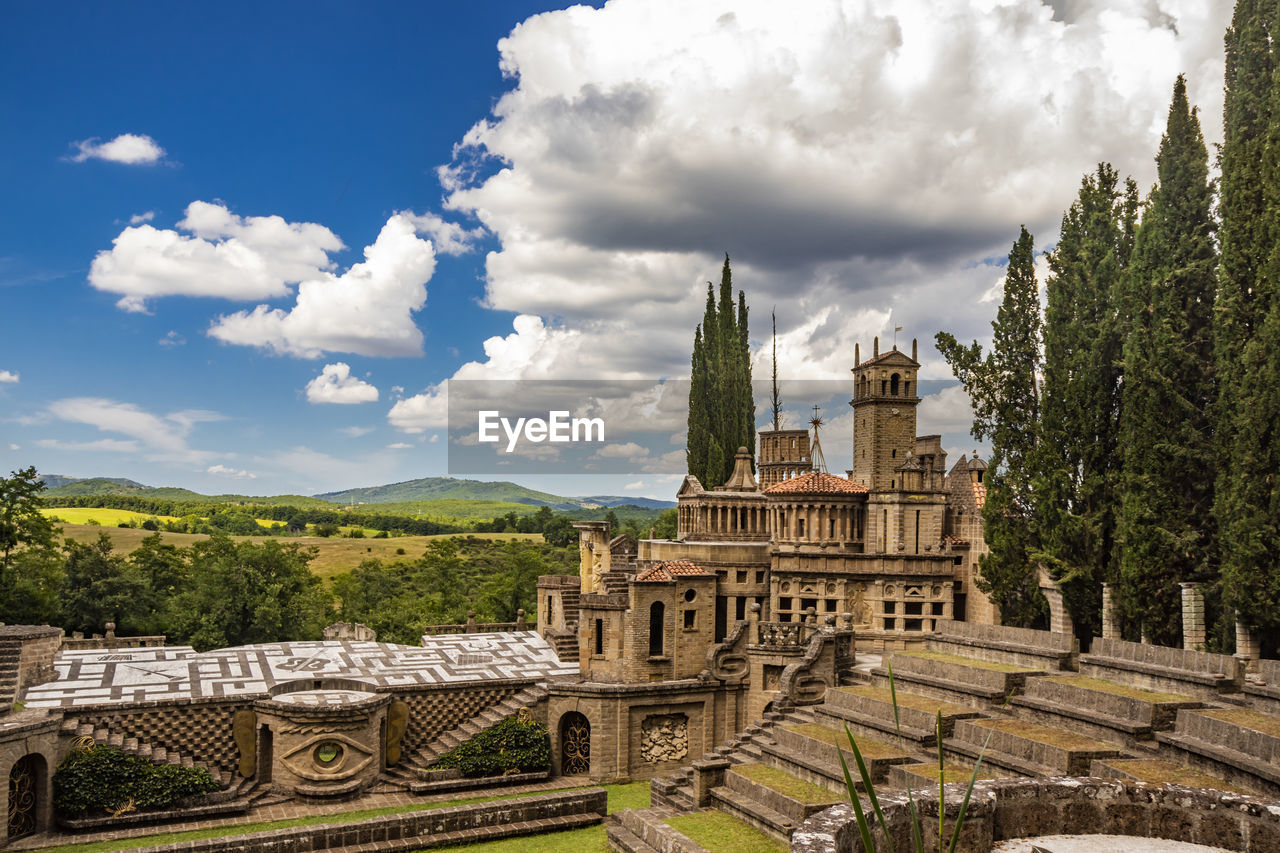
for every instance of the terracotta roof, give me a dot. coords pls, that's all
(980, 494)
(816, 483)
(669, 571)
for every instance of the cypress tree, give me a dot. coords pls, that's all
(1166, 431)
(721, 408)
(1003, 388)
(1075, 464)
(1247, 322)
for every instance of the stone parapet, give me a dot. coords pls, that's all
(1162, 668)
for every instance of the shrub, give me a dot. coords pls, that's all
(515, 745)
(104, 779)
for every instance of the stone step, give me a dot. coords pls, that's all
(753, 813)
(781, 792)
(873, 708)
(1158, 772)
(622, 839)
(1028, 747)
(817, 749)
(1240, 746)
(985, 676)
(649, 827)
(924, 776)
(1103, 709)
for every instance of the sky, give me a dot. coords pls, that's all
(244, 246)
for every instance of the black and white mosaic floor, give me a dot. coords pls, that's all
(178, 672)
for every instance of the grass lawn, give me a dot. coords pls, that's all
(788, 785)
(336, 554)
(964, 661)
(1086, 683)
(717, 832)
(625, 796)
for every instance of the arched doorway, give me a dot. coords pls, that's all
(575, 744)
(24, 795)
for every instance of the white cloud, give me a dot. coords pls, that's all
(421, 412)
(631, 487)
(399, 445)
(8, 376)
(366, 310)
(335, 384)
(234, 473)
(133, 149)
(226, 256)
(139, 218)
(829, 147)
(14, 446)
(165, 437)
(109, 445)
(947, 412)
(448, 238)
(624, 450)
(172, 339)
(355, 431)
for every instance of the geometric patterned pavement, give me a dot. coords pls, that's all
(179, 672)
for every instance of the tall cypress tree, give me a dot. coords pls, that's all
(1166, 430)
(1247, 321)
(721, 408)
(1003, 388)
(1075, 464)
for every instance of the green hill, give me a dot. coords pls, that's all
(450, 489)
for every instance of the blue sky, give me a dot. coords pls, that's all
(559, 200)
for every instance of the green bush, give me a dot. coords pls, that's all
(104, 779)
(512, 746)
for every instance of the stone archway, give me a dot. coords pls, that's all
(575, 744)
(26, 782)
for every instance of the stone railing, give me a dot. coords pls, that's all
(471, 626)
(79, 642)
(784, 635)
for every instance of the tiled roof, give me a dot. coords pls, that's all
(980, 494)
(816, 483)
(669, 571)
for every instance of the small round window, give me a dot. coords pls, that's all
(690, 595)
(328, 753)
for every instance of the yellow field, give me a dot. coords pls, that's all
(336, 554)
(107, 517)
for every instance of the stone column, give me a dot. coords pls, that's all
(1248, 646)
(1110, 630)
(1059, 619)
(1192, 616)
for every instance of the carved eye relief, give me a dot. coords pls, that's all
(328, 757)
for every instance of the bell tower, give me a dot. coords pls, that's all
(884, 424)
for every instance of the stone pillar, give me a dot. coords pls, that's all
(1059, 619)
(1248, 647)
(708, 773)
(1110, 630)
(1192, 616)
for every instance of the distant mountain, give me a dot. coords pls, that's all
(56, 484)
(616, 500)
(448, 488)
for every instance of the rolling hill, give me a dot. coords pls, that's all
(450, 489)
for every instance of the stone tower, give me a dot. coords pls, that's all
(784, 454)
(884, 425)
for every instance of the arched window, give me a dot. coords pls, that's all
(656, 618)
(893, 385)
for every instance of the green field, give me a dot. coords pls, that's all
(335, 555)
(102, 515)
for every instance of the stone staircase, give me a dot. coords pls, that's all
(1239, 745)
(407, 775)
(234, 787)
(10, 654)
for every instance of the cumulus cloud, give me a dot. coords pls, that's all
(335, 384)
(132, 149)
(368, 310)
(234, 473)
(221, 255)
(7, 376)
(139, 218)
(421, 412)
(833, 150)
(164, 436)
(448, 238)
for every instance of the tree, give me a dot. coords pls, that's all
(1075, 465)
(246, 593)
(721, 406)
(101, 587)
(1003, 387)
(1166, 431)
(30, 565)
(515, 586)
(775, 398)
(1247, 322)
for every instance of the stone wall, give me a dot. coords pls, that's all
(1016, 808)
(36, 647)
(199, 728)
(437, 708)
